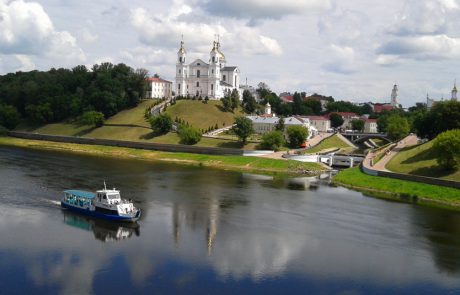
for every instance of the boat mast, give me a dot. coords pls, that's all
(105, 188)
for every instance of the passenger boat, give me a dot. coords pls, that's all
(105, 203)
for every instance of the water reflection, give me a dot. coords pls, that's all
(212, 231)
(105, 231)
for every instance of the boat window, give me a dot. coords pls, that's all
(104, 197)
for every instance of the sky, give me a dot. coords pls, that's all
(353, 50)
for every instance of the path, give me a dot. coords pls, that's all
(380, 166)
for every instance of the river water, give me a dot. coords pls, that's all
(206, 231)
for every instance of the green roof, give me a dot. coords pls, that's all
(83, 194)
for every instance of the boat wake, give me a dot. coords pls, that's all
(54, 202)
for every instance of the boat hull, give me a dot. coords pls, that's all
(101, 215)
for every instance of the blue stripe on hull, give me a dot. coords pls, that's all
(98, 214)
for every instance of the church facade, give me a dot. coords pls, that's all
(213, 79)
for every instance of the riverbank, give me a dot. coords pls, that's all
(399, 190)
(239, 163)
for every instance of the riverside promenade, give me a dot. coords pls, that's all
(380, 165)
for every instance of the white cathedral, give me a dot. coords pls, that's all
(213, 79)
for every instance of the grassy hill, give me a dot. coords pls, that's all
(328, 144)
(420, 160)
(202, 115)
(130, 125)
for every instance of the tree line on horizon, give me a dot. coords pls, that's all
(51, 96)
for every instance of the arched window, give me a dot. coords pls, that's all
(197, 73)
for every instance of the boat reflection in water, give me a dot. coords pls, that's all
(103, 230)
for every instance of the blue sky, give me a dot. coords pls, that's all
(353, 50)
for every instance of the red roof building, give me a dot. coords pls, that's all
(380, 107)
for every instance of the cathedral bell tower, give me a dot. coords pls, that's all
(454, 92)
(215, 65)
(394, 96)
(181, 71)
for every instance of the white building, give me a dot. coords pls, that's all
(159, 88)
(266, 123)
(370, 126)
(213, 79)
(322, 124)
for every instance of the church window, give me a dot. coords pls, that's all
(213, 59)
(198, 64)
(235, 82)
(224, 78)
(180, 58)
(212, 71)
(198, 73)
(178, 87)
(212, 86)
(179, 71)
(197, 84)
(197, 93)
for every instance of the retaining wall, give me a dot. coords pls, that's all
(129, 144)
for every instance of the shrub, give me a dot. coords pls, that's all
(272, 140)
(9, 116)
(161, 124)
(447, 149)
(3, 131)
(189, 135)
(297, 135)
(92, 118)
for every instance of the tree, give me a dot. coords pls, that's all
(9, 116)
(226, 103)
(162, 123)
(280, 125)
(189, 135)
(336, 120)
(297, 135)
(249, 102)
(272, 140)
(243, 128)
(442, 116)
(357, 124)
(92, 118)
(234, 99)
(397, 127)
(296, 104)
(447, 149)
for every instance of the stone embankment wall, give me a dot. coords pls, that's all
(129, 144)
(416, 178)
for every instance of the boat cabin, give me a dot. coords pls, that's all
(109, 197)
(79, 198)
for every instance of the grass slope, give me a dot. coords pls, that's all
(116, 126)
(253, 164)
(420, 160)
(329, 143)
(202, 115)
(425, 193)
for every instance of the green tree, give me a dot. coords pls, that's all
(234, 99)
(9, 116)
(442, 116)
(243, 128)
(226, 103)
(336, 120)
(297, 135)
(397, 127)
(280, 125)
(272, 140)
(92, 118)
(447, 149)
(357, 124)
(189, 135)
(249, 102)
(162, 123)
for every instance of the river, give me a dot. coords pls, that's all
(206, 231)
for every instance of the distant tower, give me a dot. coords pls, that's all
(181, 70)
(454, 92)
(429, 102)
(268, 109)
(394, 96)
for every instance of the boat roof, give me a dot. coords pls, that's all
(83, 194)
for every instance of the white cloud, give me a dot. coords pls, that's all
(28, 31)
(341, 60)
(166, 30)
(27, 63)
(265, 9)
